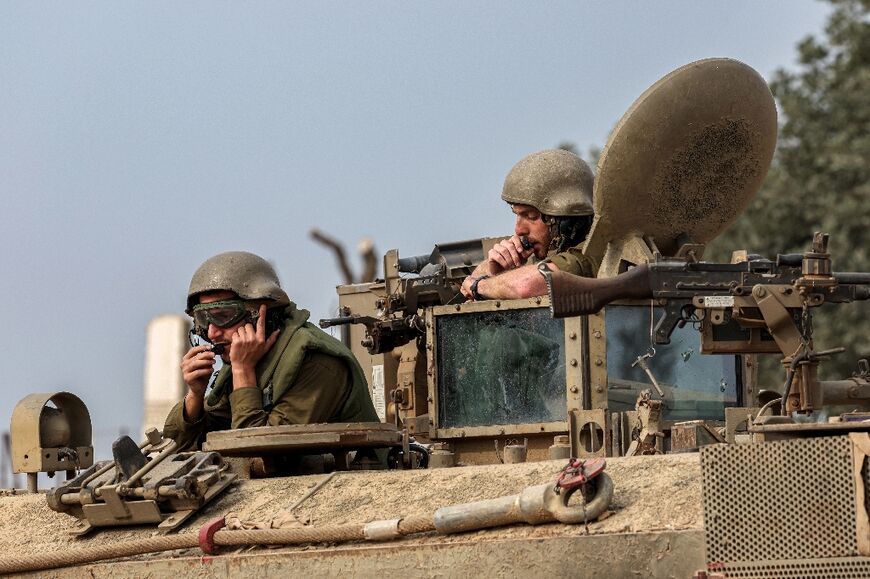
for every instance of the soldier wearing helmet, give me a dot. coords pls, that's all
(278, 368)
(550, 192)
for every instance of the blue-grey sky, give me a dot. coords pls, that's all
(139, 138)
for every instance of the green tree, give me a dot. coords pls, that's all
(820, 177)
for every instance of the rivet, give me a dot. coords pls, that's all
(599, 361)
(573, 362)
(572, 335)
(597, 334)
(574, 390)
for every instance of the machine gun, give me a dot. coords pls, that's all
(754, 306)
(412, 283)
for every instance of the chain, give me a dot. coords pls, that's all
(585, 517)
(806, 323)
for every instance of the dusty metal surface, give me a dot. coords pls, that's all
(657, 554)
(644, 505)
(687, 156)
(51, 432)
(302, 437)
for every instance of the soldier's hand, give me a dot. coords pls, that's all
(249, 345)
(508, 254)
(197, 366)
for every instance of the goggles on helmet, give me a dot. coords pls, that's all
(223, 314)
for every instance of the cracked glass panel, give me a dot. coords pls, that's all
(696, 386)
(503, 367)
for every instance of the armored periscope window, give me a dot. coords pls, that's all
(695, 386)
(500, 368)
(50, 433)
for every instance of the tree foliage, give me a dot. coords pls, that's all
(820, 177)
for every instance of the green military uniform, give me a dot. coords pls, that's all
(573, 260)
(306, 377)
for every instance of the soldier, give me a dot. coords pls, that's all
(550, 192)
(278, 368)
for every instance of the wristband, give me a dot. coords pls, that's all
(474, 293)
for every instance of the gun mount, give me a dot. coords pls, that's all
(413, 283)
(753, 306)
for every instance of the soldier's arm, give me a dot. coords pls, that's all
(189, 435)
(522, 282)
(526, 281)
(320, 389)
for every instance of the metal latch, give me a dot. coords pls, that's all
(145, 484)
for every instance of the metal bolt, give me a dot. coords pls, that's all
(574, 390)
(458, 307)
(538, 300)
(759, 292)
(572, 335)
(428, 399)
(599, 389)
(498, 304)
(573, 362)
(597, 334)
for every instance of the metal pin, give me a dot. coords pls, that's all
(641, 361)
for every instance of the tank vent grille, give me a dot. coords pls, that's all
(791, 499)
(836, 568)
(865, 474)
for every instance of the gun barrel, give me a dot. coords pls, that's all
(339, 321)
(413, 264)
(852, 277)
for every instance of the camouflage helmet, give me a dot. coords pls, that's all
(247, 275)
(554, 181)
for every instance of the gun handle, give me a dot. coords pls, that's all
(572, 295)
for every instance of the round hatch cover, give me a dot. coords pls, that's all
(686, 158)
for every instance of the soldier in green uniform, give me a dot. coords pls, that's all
(550, 192)
(278, 368)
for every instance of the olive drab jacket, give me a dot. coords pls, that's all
(306, 377)
(574, 261)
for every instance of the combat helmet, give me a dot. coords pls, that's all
(556, 182)
(247, 275)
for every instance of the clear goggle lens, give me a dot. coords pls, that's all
(222, 314)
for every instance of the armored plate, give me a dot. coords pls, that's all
(686, 158)
(313, 438)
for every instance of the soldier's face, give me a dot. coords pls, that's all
(216, 334)
(530, 224)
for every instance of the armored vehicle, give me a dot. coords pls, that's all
(514, 406)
